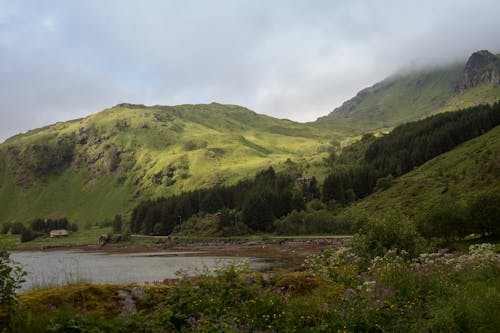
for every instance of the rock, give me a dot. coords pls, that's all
(128, 298)
(482, 67)
(127, 303)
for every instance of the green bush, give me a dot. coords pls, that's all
(11, 278)
(485, 213)
(28, 235)
(320, 221)
(446, 220)
(379, 235)
(226, 300)
(315, 204)
(340, 265)
(384, 183)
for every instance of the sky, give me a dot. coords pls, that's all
(61, 60)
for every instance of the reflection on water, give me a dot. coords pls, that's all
(63, 267)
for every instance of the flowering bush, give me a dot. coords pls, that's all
(480, 256)
(229, 299)
(377, 236)
(337, 265)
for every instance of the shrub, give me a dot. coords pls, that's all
(316, 204)
(293, 223)
(227, 300)
(379, 235)
(384, 183)
(11, 277)
(315, 222)
(485, 213)
(340, 265)
(28, 235)
(445, 220)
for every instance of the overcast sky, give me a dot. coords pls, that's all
(61, 60)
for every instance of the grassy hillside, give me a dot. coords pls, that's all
(458, 175)
(93, 168)
(407, 97)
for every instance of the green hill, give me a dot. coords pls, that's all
(412, 96)
(104, 164)
(459, 175)
(93, 168)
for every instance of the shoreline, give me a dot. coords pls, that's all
(274, 248)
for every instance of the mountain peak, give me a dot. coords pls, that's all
(483, 67)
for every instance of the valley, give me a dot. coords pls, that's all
(381, 216)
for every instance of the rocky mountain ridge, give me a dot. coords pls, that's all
(483, 67)
(418, 94)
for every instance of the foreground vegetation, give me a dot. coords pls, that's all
(346, 290)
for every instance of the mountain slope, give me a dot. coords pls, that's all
(407, 97)
(458, 175)
(93, 168)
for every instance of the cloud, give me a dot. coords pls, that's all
(290, 59)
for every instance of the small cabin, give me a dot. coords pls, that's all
(59, 233)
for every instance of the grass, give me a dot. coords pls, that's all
(79, 238)
(408, 97)
(400, 98)
(82, 237)
(150, 140)
(90, 237)
(458, 175)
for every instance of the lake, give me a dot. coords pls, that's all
(51, 268)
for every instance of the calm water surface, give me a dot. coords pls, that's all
(63, 267)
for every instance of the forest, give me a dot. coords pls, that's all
(264, 202)
(260, 201)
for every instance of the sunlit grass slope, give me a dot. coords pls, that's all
(130, 152)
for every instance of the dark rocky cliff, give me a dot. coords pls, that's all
(482, 67)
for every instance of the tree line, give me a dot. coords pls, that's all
(259, 201)
(406, 147)
(37, 227)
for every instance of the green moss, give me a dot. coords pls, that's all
(103, 298)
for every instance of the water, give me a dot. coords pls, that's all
(62, 267)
